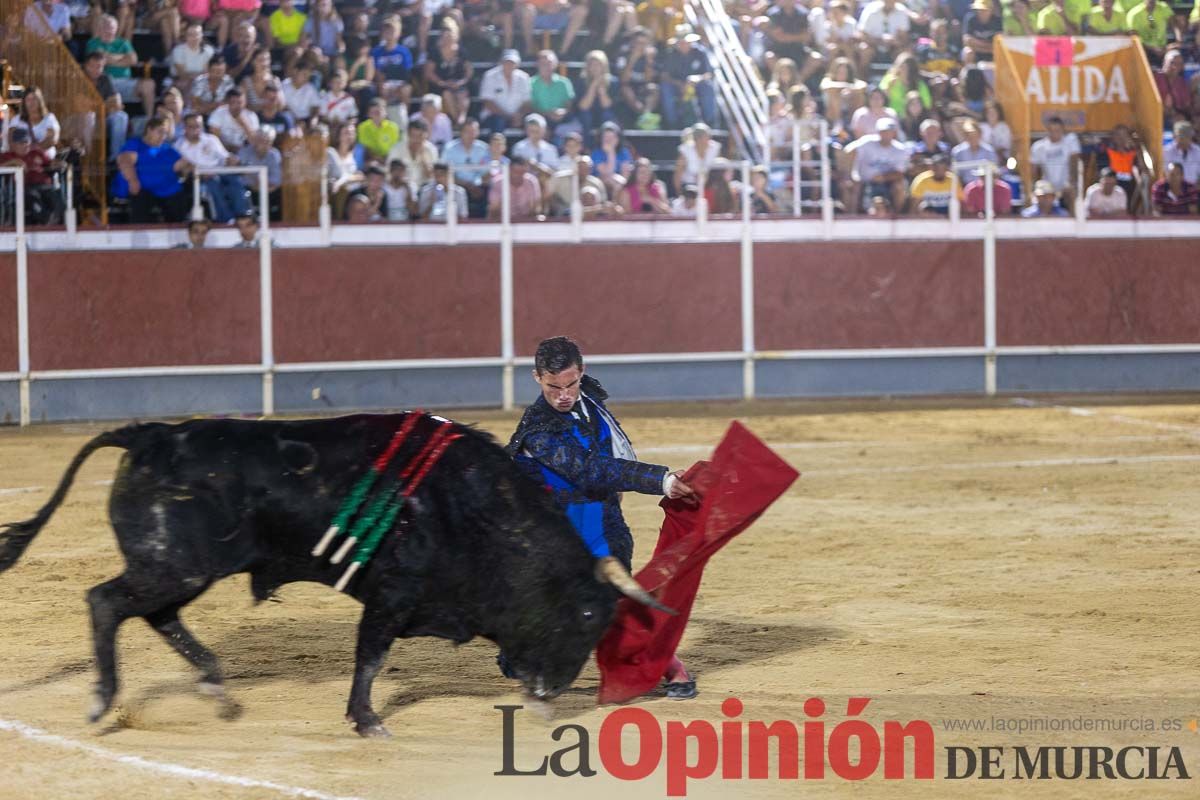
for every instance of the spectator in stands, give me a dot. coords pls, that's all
(115, 118)
(975, 194)
(685, 204)
(285, 26)
(762, 199)
(572, 149)
(644, 193)
(878, 167)
(358, 209)
(505, 94)
(883, 29)
(1061, 18)
(230, 15)
(432, 201)
(40, 122)
(171, 108)
(232, 122)
(344, 163)
(596, 93)
(534, 148)
(697, 152)
(1104, 20)
(372, 189)
(837, 35)
(1105, 198)
(260, 152)
(621, 18)
(914, 114)
(552, 15)
(980, 27)
(416, 152)
(449, 74)
(550, 94)
(261, 76)
(393, 63)
(275, 114)
(324, 28)
(189, 59)
(336, 104)
(240, 54)
(904, 77)
(611, 158)
(789, 37)
(300, 95)
(149, 176)
(940, 61)
(972, 93)
(660, 17)
(720, 192)
(996, 131)
(1055, 159)
(497, 145)
(440, 130)
(931, 191)
(1123, 155)
(119, 58)
(47, 19)
(248, 231)
(525, 193)
(1174, 196)
(204, 151)
(400, 197)
(639, 76)
(43, 203)
(1149, 20)
(1184, 151)
(467, 150)
(1019, 20)
(865, 120)
(1173, 86)
(686, 73)
(1045, 202)
(971, 150)
(197, 235)
(211, 88)
(590, 191)
(928, 145)
(843, 92)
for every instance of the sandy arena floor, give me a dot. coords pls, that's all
(978, 561)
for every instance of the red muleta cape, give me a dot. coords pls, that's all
(740, 482)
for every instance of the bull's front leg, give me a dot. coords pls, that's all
(375, 635)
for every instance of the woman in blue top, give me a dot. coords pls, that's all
(612, 158)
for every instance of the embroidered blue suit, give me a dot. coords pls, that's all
(573, 458)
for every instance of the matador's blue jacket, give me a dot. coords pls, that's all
(566, 455)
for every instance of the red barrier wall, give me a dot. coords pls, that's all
(834, 295)
(375, 303)
(1106, 291)
(143, 308)
(628, 298)
(9, 356)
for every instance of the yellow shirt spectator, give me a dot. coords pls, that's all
(378, 139)
(287, 24)
(1151, 25)
(1050, 20)
(1097, 23)
(933, 195)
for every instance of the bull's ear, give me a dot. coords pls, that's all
(298, 457)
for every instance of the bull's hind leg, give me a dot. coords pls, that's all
(375, 636)
(212, 683)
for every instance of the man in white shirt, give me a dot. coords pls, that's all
(232, 122)
(879, 164)
(1104, 198)
(299, 95)
(1184, 151)
(1055, 159)
(47, 19)
(202, 149)
(534, 146)
(883, 28)
(505, 93)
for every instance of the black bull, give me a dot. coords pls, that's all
(481, 550)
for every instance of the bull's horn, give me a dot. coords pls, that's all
(609, 570)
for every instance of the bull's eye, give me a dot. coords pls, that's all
(587, 616)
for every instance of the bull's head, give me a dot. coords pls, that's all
(548, 654)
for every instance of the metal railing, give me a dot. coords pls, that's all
(740, 94)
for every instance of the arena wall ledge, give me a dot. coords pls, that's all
(119, 325)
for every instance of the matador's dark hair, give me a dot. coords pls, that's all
(556, 354)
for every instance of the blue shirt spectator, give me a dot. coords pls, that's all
(394, 62)
(155, 169)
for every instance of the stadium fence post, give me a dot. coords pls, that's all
(266, 295)
(955, 205)
(989, 281)
(826, 182)
(506, 288)
(451, 207)
(325, 213)
(69, 217)
(701, 200)
(747, 268)
(197, 208)
(576, 209)
(22, 296)
(797, 192)
(1080, 211)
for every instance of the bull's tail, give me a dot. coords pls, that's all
(16, 536)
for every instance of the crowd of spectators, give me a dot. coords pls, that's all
(408, 92)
